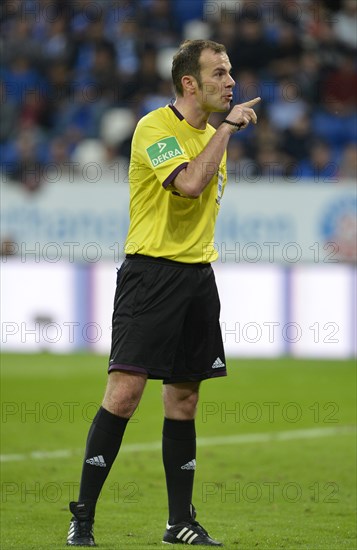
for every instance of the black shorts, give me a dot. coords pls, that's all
(166, 321)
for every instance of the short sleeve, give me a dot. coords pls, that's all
(160, 149)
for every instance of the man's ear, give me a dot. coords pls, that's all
(189, 84)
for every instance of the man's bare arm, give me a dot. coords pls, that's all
(193, 179)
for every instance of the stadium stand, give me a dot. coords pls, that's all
(65, 66)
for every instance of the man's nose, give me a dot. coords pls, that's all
(231, 82)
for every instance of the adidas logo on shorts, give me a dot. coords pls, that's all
(218, 364)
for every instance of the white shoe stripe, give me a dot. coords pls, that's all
(188, 534)
(192, 538)
(182, 532)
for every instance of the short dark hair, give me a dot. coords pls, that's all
(187, 60)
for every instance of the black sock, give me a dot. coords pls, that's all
(103, 443)
(179, 457)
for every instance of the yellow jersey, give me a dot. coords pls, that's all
(163, 222)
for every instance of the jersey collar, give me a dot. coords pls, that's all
(177, 113)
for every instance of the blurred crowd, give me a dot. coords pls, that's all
(76, 75)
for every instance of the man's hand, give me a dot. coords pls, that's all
(243, 114)
(195, 177)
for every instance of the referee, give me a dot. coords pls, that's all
(166, 307)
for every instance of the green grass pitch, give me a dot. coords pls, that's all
(276, 464)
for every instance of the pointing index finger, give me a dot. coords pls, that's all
(252, 102)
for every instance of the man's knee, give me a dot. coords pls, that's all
(123, 393)
(180, 400)
(190, 402)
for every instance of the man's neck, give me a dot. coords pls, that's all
(192, 113)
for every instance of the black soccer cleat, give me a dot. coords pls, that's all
(80, 531)
(189, 532)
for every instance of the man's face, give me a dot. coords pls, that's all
(216, 91)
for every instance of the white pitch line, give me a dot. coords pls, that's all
(238, 439)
